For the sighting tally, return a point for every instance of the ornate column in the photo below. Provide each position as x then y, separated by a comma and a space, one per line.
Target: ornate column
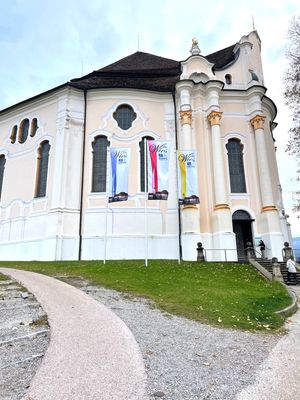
223, 236
272, 234
186, 127
263, 165
221, 201
190, 218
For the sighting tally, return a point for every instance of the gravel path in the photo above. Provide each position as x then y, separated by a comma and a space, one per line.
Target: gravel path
91, 355
24, 338
185, 360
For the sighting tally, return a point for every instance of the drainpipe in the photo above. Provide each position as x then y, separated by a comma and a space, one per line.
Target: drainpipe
176, 143
82, 178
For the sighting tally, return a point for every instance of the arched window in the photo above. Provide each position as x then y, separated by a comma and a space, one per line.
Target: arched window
99, 145
241, 215
13, 135
33, 127
124, 115
2, 166
228, 79
42, 169
23, 130
142, 162
236, 166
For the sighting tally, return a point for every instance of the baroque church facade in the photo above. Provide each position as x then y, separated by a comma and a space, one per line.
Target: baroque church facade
53, 161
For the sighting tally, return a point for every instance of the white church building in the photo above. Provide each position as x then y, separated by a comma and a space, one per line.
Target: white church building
53, 161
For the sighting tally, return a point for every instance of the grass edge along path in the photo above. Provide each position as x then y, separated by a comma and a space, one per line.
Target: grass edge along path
222, 294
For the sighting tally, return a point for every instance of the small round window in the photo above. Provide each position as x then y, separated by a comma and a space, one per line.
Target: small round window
124, 115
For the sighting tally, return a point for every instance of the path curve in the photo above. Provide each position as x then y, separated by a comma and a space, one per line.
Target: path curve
278, 377
92, 354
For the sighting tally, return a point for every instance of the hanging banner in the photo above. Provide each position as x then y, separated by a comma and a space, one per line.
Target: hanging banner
158, 155
187, 176
119, 158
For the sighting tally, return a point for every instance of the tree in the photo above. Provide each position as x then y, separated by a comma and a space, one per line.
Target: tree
292, 96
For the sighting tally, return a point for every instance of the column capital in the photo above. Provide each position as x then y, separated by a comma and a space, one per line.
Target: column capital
186, 117
215, 117
258, 121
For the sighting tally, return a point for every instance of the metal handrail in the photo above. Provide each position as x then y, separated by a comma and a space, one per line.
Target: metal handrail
224, 250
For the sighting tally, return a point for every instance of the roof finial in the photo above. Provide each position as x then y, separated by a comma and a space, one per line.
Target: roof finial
195, 50
253, 26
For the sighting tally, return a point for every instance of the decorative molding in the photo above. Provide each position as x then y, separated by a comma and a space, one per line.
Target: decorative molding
222, 207
186, 117
215, 117
193, 206
268, 208
258, 122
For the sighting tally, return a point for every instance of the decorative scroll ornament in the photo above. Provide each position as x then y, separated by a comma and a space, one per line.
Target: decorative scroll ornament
258, 122
186, 117
215, 117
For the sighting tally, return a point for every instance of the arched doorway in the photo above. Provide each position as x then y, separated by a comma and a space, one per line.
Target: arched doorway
242, 227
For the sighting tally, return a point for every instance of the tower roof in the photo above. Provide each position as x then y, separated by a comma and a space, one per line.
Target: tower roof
223, 57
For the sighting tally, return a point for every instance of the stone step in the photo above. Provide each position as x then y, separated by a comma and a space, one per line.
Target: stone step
267, 264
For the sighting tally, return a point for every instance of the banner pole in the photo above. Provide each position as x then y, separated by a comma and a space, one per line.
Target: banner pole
107, 195
146, 202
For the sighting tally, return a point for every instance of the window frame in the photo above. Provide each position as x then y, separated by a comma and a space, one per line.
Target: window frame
142, 185
33, 127
124, 122
99, 165
42, 169
236, 166
23, 130
2, 169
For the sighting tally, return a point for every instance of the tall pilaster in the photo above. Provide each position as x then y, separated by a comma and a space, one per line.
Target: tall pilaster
190, 216
263, 165
186, 128
223, 237
64, 197
272, 235
221, 197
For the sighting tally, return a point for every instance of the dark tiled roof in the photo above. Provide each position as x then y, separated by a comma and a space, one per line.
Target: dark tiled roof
139, 70
222, 57
165, 83
140, 61
145, 71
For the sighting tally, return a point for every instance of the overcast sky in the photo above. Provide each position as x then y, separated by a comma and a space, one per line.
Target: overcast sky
44, 43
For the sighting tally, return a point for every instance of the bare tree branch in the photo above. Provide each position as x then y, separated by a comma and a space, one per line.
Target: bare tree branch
292, 97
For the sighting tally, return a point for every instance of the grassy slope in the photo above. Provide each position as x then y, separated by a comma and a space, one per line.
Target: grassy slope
229, 295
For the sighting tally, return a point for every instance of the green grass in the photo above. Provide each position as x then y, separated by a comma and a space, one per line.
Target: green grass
227, 295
